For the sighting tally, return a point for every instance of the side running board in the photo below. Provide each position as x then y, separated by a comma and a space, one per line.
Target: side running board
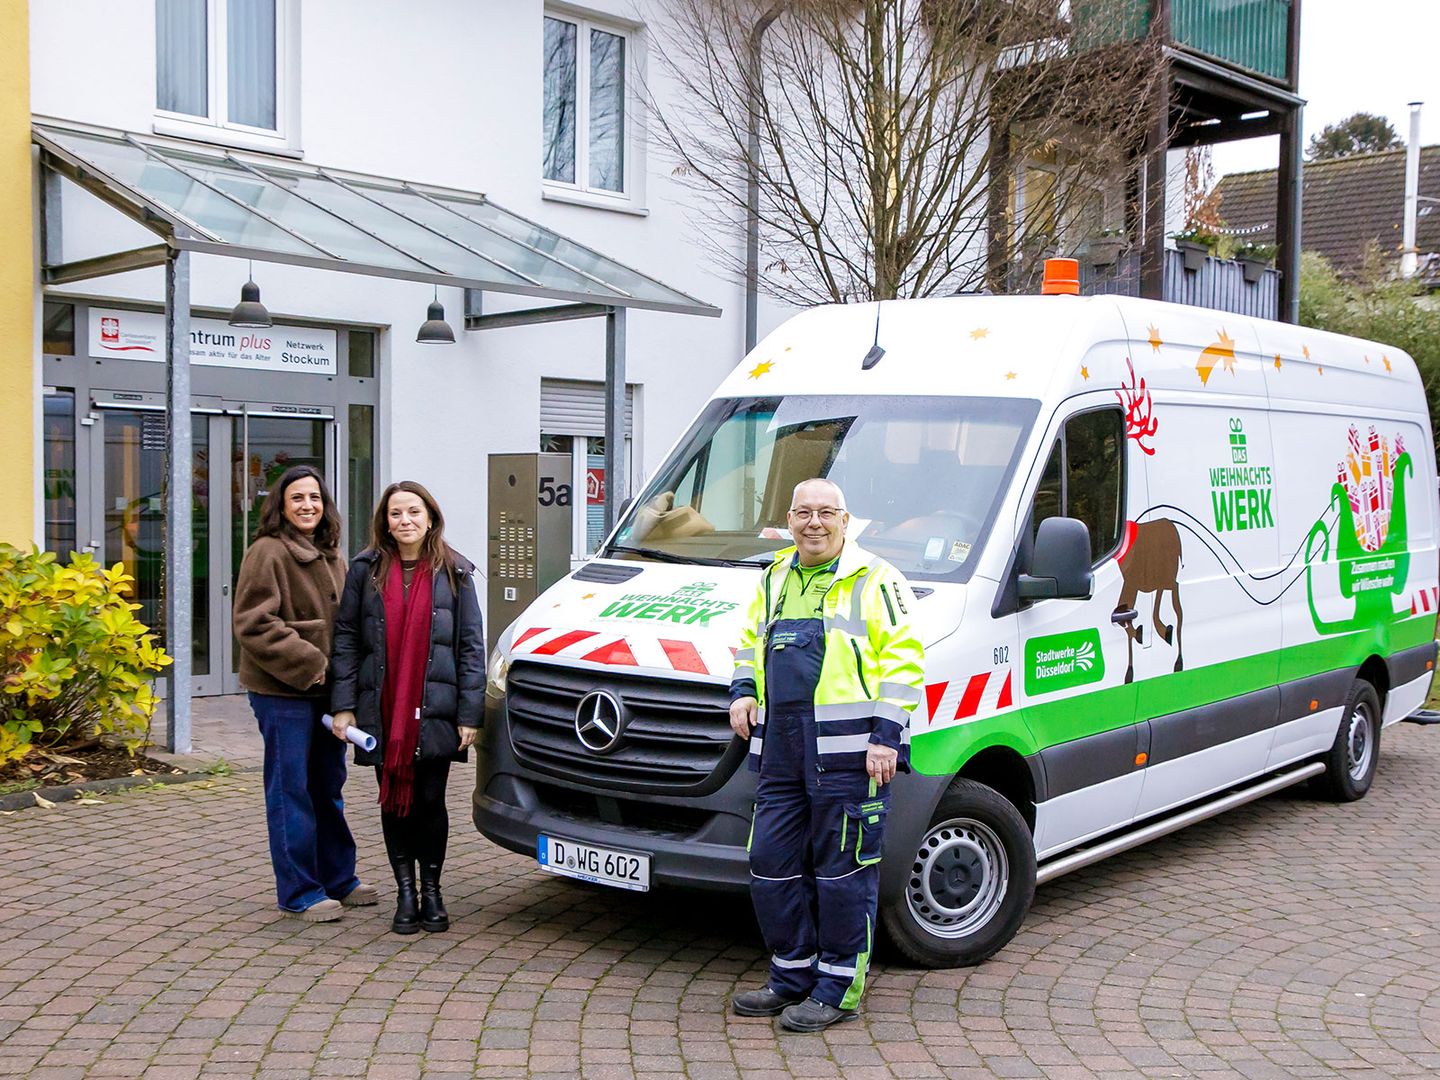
1124, 842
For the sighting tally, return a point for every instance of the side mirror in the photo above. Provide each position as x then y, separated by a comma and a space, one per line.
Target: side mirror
1060, 567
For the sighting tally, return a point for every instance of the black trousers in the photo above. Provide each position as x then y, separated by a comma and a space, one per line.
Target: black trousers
420, 834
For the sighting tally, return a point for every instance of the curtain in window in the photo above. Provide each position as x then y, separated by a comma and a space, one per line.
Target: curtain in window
560, 103
607, 111
181, 78
250, 36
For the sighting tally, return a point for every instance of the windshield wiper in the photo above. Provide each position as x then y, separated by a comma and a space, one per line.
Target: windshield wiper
671, 557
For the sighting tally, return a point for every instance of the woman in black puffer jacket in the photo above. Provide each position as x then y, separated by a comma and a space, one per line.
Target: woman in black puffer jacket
408, 667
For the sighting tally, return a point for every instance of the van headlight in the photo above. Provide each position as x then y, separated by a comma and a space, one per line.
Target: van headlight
498, 668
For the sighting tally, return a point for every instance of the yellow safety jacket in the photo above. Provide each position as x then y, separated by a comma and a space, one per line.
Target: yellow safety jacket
873, 674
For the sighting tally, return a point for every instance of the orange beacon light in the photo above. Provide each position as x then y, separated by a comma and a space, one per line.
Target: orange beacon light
1062, 278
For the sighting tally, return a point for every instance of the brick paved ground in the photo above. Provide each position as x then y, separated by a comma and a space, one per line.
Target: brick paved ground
1290, 938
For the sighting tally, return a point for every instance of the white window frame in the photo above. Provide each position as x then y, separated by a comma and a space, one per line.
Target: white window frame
631, 198
285, 138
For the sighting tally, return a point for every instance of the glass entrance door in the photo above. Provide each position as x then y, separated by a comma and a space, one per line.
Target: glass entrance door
128, 452
132, 451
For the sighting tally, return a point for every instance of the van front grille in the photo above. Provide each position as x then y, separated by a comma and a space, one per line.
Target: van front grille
676, 737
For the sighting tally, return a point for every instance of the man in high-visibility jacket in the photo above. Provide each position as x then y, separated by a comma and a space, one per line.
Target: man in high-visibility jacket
827, 672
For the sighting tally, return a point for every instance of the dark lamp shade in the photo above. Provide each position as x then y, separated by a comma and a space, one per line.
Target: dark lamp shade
250, 312
435, 330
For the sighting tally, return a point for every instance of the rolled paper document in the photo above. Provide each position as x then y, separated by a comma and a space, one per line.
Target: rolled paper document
352, 733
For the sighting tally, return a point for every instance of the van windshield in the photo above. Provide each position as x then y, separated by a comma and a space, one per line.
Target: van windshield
922, 477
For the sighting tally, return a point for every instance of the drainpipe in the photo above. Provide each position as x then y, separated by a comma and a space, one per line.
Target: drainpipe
752, 177
1409, 252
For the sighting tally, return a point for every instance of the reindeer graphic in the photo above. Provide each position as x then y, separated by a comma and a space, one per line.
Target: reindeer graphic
1150, 563
1150, 555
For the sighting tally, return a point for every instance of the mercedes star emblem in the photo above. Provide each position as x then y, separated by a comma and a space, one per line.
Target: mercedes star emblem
598, 723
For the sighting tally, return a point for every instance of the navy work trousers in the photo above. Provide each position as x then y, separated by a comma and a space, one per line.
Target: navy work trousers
310, 844
814, 846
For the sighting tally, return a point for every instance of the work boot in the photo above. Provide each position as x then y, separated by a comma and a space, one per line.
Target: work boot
407, 913
812, 1015
762, 1002
433, 916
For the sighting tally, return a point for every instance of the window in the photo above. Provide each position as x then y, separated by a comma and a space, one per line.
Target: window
1084, 479
585, 120
59, 329
360, 476
923, 477
60, 471
222, 64
361, 354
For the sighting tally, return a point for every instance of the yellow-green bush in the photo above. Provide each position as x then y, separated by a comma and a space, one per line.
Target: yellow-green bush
74, 660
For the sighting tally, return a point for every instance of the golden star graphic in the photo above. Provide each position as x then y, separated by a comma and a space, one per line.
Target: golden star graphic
1084, 372
1306, 351
1277, 361
761, 368
588, 596
1386, 361
1221, 352
1010, 375
1320, 369
1155, 341
979, 332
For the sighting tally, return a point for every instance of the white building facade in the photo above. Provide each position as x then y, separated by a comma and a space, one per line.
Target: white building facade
537, 106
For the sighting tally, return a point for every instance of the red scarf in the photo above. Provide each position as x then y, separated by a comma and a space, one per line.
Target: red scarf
407, 651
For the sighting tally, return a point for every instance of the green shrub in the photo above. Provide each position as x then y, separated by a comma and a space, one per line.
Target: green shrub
74, 661
1378, 305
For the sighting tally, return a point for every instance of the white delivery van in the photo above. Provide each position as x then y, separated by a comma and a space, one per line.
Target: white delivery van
1166, 560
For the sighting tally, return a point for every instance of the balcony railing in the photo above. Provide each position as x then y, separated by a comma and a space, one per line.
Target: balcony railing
1218, 284
1246, 34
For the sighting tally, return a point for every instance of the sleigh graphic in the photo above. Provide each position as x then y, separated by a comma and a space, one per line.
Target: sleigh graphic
1367, 578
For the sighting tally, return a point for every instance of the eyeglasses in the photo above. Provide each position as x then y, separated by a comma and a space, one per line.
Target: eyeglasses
827, 514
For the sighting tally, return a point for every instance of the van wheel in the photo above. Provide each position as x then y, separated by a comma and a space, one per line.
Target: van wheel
1351, 762
971, 883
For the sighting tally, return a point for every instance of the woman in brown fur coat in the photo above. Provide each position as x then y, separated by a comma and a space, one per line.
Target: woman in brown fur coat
285, 602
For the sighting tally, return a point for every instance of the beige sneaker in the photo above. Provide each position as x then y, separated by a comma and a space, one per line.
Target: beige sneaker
361, 896
326, 910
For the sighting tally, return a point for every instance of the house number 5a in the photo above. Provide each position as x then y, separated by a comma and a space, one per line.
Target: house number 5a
552, 494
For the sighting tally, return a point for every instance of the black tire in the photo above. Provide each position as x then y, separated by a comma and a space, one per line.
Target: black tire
1350, 763
971, 883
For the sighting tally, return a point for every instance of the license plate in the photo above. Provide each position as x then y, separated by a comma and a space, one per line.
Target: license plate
603, 866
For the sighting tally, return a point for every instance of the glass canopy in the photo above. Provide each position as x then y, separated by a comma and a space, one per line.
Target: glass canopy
260, 207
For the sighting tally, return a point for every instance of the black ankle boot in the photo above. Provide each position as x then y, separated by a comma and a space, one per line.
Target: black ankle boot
433, 916
407, 914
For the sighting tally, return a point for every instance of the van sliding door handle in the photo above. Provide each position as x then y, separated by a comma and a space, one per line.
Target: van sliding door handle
1123, 616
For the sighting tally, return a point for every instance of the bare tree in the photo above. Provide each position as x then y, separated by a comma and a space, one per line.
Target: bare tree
904, 147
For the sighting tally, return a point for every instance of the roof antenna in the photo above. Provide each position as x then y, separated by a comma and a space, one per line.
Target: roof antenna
877, 351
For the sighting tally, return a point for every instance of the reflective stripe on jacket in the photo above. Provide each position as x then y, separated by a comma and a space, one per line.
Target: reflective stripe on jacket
873, 675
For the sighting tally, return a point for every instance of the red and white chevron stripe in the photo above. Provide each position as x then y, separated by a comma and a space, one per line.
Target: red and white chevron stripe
611, 650
1425, 601
965, 699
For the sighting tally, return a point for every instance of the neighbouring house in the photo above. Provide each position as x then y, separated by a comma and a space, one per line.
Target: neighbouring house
1349, 205
1232, 72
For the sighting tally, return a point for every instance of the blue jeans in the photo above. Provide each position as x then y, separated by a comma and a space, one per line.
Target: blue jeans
310, 844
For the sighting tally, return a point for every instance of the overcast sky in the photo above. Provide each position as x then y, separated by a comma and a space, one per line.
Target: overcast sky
1358, 56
